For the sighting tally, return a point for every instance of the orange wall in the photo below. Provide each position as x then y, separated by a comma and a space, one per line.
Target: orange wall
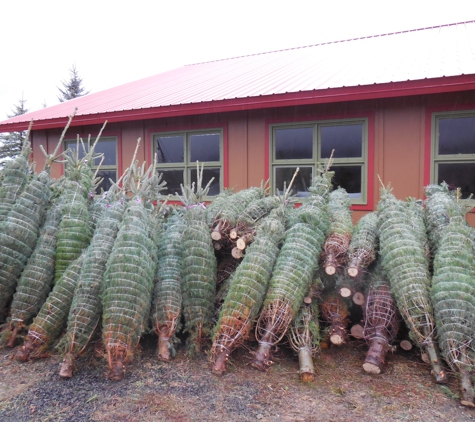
398, 126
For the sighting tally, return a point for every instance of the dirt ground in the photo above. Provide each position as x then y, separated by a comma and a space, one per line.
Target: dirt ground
185, 390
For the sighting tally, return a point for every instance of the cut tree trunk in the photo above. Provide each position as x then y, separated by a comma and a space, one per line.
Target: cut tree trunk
357, 331
219, 366
406, 345
66, 367
359, 298
375, 357
307, 369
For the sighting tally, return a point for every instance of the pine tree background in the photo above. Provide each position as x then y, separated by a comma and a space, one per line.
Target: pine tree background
11, 143
73, 87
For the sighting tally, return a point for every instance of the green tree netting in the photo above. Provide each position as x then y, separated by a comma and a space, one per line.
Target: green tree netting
438, 201
294, 269
15, 177
36, 279
405, 260
19, 233
86, 308
199, 278
336, 244
53, 315
453, 296
247, 289
128, 287
363, 245
167, 296
227, 216
75, 228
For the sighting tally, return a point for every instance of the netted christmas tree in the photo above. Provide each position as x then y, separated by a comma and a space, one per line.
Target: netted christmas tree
130, 272
336, 245
75, 229
199, 267
381, 321
406, 263
53, 315
247, 289
167, 296
86, 308
363, 246
294, 269
14, 177
36, 279
453, 296
20, 229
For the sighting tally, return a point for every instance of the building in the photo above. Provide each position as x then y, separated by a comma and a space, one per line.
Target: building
397, 107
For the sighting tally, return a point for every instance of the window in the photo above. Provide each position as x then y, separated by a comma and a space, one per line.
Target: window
108, 167
454, 150
308, 144
178, 152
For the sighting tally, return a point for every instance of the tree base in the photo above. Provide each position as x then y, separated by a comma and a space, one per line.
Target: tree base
219, 365
164, 349
307, 369
66, 367
262, 356
375, 357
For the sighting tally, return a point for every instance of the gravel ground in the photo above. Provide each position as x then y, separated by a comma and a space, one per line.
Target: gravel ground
185, 390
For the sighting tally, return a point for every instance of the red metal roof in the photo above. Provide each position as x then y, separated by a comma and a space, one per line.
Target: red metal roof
427, 60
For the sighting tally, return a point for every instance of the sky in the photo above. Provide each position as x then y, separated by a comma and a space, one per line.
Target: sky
115, 42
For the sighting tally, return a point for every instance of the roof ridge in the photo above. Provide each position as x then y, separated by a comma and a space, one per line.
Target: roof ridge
334, 42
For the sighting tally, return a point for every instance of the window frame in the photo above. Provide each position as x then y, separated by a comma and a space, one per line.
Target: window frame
91, 141
187, 166
436, 158
363, 161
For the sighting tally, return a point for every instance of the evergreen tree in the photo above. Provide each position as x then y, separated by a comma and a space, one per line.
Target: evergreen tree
73, 87
11, 143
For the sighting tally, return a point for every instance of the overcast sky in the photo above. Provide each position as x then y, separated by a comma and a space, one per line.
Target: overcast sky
115, 42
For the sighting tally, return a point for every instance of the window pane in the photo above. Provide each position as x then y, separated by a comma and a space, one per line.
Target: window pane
346, 140
461, 175
108, 148
204, 147
301, 183
170, 149
173, 178
106, 184
349, 178
207, 175
457, 135
294, 143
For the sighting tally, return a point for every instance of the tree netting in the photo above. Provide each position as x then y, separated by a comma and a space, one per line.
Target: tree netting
86, 308
167, 296
75, 228
381, 320
53, 315
36, 279
438, 200
19, 233
247, 288
128, 287
453, 296
15, 177
294, 268
336, 244
363, 245
199, 278
405, 260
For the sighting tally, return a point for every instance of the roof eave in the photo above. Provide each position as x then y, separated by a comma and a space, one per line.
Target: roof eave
329, 95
